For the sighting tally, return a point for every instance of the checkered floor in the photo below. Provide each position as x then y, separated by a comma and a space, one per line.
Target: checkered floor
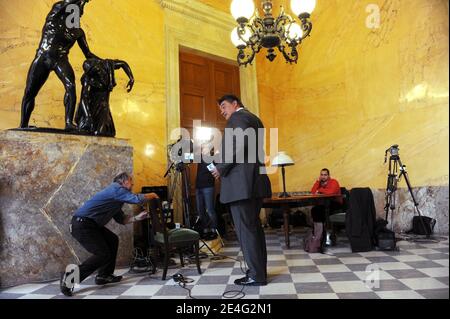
416, 271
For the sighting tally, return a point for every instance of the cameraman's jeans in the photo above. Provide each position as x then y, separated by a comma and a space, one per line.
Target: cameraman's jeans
205, 199
100, 242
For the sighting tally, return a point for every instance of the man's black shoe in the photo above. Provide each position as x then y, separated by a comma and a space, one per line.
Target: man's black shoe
247, 281
62, 285
99, 280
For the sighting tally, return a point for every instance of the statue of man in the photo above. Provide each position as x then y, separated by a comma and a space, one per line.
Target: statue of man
58, 37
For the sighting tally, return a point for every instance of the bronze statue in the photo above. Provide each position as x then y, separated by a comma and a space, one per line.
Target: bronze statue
93, 114
52, 55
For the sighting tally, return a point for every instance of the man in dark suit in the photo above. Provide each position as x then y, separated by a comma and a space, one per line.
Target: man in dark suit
244, 184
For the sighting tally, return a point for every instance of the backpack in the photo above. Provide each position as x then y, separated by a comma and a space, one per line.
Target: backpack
298, 219
275, 219
422, 225
313, 242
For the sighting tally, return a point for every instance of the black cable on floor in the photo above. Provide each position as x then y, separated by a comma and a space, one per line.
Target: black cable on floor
235, 294
182, 282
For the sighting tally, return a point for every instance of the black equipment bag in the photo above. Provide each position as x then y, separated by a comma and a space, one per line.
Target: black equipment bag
298, 219
385, 238
418, 226
275, 218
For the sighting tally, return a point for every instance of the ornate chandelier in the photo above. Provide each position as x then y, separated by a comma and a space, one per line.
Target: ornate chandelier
283, 32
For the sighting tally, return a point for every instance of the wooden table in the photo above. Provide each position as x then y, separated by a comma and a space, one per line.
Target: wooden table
286, 203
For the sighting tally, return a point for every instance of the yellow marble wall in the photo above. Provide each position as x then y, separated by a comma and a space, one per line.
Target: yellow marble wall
356, 91
129, 30
222, 5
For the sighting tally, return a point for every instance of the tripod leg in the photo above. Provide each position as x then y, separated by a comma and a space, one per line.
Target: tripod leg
220, 238
197, 258
181, 258
405, 174
204, 244
386, 207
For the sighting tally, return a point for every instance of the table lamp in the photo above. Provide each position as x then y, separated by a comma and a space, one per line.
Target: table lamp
282, 159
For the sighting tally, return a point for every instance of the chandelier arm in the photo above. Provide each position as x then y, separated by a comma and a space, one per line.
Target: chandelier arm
259, 31
241, 32
284, 18
280, 25
244, 59
258, 24
253, 54
306, 27
254, 38
291, 57
241, 57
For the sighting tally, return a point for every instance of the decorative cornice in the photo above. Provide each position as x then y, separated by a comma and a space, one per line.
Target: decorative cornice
199, 11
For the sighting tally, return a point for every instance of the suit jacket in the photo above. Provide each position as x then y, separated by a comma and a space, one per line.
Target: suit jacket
360, 220
240, 173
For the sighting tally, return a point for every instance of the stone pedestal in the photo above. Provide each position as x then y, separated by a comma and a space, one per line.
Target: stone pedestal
44, 178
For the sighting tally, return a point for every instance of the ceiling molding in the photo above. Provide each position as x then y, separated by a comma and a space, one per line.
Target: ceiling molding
199, 11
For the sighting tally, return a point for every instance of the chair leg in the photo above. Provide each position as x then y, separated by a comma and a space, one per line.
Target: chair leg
166, 263
181, 258
333, 235
197, 258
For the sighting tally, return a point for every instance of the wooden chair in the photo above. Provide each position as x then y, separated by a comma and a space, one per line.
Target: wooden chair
172, 239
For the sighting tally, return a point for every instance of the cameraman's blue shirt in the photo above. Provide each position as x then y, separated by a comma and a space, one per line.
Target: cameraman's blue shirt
107, 204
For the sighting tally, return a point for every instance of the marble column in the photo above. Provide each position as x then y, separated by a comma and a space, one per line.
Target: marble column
44, 178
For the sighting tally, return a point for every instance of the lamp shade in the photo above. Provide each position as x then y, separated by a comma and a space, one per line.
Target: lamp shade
242, 9
282, 159
303, 6
294, 32
237, 41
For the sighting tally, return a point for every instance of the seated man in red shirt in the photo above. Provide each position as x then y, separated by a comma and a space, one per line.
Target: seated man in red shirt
325, 185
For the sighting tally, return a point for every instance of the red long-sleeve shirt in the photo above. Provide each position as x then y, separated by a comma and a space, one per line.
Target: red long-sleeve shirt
331, 188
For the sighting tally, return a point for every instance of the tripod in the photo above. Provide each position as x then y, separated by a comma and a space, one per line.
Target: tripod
396, 166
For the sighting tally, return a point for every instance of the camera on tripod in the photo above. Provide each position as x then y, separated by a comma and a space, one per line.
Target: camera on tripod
396, 171
181, 152
393, 150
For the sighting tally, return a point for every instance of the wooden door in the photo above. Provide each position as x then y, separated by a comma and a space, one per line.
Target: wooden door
203, 80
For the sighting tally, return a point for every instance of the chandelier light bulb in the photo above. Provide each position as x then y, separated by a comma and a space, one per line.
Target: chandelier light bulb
237, 41
294, 32
242, 9
302, 6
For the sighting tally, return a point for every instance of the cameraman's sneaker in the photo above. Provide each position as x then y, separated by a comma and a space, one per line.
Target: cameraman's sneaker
99, 280
62, 285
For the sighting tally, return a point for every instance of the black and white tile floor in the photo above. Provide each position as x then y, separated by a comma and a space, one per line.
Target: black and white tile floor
416, 271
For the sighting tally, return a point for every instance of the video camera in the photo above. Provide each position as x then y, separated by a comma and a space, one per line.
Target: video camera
181, 152
393, 150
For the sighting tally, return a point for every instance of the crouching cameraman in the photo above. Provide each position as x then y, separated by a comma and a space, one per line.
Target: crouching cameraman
88, 228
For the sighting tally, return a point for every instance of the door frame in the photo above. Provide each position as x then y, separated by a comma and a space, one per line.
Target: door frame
184, 20
192, 25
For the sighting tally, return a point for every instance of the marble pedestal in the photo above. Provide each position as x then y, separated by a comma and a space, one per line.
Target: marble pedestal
44, 178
